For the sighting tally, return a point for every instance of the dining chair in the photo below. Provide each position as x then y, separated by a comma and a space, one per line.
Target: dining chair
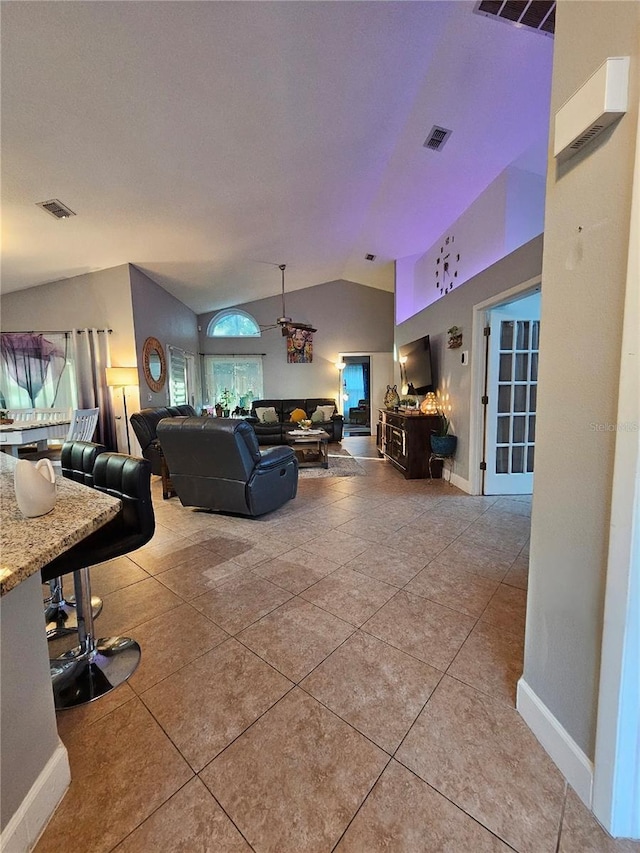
21, 414
83, 424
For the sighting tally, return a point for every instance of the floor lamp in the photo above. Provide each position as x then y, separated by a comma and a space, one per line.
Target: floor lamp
123, 377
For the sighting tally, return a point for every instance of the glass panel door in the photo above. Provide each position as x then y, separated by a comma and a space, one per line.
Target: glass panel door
512, 393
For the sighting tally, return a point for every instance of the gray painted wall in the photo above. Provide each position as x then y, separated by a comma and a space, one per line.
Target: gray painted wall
27, 718
582, 307
456, 309
349, 317
101, 299
160, 315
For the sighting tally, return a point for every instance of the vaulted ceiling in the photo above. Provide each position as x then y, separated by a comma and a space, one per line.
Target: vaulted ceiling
207, 142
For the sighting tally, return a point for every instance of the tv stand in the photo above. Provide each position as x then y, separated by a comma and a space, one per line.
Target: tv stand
404, 441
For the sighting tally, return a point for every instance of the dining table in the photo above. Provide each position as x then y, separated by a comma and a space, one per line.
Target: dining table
19, 433
34, 767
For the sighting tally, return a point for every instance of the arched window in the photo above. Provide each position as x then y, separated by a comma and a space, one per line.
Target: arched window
233, 323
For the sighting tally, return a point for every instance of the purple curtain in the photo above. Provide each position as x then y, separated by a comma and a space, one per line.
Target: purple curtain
91, 356
29, 359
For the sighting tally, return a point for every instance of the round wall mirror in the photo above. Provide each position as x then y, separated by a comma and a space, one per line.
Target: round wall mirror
154, 364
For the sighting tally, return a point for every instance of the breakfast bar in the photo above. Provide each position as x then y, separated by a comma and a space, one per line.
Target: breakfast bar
34, 769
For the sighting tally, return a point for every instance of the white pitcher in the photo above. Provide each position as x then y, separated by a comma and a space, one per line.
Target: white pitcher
35, 487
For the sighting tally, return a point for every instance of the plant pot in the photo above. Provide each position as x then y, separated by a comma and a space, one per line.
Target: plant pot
444, 445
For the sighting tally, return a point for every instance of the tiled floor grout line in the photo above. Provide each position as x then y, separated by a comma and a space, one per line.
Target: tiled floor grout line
561, 819
137, 826
456, 805
353, 817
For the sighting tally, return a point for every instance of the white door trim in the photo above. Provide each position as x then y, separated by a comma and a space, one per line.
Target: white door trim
476, 431
616, 781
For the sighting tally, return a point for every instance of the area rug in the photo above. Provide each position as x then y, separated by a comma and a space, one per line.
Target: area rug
341, 464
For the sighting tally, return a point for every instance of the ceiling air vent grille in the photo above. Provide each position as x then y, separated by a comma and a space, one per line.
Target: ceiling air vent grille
56, 208
537, 15
437, 138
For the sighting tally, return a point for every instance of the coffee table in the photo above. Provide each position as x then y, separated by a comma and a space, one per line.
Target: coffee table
310, 446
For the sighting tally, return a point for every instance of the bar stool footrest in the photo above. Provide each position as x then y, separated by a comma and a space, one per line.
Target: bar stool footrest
62, 619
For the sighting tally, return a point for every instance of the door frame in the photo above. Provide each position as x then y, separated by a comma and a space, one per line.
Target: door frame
476, 421
377, 367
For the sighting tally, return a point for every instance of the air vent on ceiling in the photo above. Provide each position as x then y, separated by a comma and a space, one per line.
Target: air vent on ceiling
538, 15
56, 208
437, 138
369, 257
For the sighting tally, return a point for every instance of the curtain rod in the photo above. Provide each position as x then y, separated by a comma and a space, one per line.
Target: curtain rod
55, 332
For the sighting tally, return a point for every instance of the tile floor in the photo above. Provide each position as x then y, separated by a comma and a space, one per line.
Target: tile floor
338, 675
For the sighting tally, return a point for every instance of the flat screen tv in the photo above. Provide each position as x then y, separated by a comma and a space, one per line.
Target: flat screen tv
417, 368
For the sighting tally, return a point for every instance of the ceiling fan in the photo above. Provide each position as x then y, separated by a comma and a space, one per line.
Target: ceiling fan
286, 323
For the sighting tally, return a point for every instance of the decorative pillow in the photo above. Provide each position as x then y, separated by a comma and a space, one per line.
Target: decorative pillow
322, 414
327, 412
267, 415
298, 415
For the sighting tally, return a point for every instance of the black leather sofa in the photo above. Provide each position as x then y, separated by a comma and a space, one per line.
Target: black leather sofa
274, 433
215, 463
145, 423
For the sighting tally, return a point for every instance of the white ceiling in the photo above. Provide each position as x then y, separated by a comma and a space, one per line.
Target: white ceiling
204, 141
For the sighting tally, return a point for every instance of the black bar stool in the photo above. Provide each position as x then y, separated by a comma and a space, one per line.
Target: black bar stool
77, 459
95, 667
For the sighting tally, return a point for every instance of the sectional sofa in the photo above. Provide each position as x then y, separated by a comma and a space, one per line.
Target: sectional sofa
274, 432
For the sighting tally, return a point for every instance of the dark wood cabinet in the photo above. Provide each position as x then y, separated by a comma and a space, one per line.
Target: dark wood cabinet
404, 440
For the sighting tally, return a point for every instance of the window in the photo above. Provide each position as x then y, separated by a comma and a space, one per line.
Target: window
233, 380
177, 377
233, 323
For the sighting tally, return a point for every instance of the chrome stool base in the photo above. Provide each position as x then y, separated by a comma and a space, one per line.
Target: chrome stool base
80, 676
62, 618
94, 667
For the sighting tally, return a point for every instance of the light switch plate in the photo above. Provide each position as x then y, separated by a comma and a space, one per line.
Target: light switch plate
465, 358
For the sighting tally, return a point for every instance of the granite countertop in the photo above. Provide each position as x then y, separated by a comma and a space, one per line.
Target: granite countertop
27, 544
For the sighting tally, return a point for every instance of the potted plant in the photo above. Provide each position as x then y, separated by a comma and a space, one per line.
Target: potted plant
443, 443
226, 399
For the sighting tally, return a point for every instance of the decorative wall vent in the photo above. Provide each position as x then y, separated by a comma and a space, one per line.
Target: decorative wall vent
437, 138
538, 15
56, 208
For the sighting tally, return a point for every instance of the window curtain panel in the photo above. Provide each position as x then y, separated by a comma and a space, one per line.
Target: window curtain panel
91, 356
35, 364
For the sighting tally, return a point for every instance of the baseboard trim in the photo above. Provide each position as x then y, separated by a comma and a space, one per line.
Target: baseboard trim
460, 483
27, 824
563, 750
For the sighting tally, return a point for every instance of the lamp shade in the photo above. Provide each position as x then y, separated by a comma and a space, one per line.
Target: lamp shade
118, 377
340, 365
429, 405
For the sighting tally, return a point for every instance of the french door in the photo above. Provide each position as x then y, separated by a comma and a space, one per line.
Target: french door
512, 380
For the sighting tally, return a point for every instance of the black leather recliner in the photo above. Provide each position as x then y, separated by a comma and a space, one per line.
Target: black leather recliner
145, 423
216, 463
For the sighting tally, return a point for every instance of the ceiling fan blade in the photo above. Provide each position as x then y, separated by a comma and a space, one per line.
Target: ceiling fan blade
306, 327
